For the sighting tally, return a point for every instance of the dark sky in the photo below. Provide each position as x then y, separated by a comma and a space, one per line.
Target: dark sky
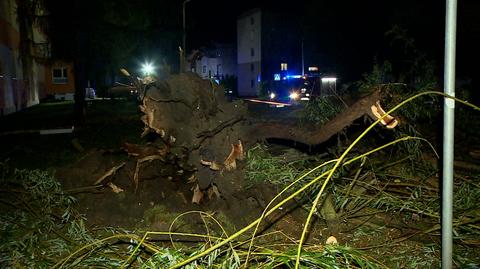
348, 31
345, 34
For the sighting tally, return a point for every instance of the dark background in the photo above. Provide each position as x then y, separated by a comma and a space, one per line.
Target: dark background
343, 35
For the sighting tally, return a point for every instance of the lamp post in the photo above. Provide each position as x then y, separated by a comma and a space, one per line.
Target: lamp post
184, 27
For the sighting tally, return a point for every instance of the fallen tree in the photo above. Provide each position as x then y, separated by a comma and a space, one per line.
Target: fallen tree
207, 135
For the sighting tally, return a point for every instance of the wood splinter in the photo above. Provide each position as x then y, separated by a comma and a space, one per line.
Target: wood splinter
235, 154
109, 173
389, 121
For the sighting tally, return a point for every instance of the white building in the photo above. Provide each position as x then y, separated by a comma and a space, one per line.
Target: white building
217, 63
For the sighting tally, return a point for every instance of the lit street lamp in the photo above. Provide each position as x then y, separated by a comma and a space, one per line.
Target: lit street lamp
147, 68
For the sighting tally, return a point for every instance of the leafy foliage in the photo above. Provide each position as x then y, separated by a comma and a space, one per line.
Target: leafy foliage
320, 110
40, 224
278, 170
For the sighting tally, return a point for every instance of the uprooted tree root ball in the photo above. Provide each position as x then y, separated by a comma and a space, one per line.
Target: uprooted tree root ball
207, 135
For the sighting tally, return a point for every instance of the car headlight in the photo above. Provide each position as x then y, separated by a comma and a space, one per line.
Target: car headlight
294, 96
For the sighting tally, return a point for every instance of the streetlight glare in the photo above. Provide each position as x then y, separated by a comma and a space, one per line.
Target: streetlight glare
147, 68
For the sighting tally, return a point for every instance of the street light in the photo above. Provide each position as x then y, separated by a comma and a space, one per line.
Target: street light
147, 68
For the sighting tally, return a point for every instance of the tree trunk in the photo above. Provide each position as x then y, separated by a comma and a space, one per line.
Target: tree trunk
320, 134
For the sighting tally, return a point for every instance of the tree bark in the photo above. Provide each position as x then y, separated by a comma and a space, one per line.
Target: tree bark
315, 136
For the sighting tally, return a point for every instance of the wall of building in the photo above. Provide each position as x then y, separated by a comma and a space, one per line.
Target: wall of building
19, 90
59, 87
217, 62
249, 53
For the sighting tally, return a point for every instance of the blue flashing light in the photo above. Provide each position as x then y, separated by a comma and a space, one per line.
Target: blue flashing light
292, 76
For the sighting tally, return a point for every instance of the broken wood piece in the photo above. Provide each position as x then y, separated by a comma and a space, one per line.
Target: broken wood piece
387, 120
213, 190
331, 241
114, 187
235, 154
212, 164
197, 195
192, 179
109, 173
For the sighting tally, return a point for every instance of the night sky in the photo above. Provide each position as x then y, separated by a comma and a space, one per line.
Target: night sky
346, 35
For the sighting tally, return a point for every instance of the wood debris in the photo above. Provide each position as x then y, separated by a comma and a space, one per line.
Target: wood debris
212, 164
192, 179
114, 187
197, 195
236, 153
387, 120
331, 241
213, 190
109, 173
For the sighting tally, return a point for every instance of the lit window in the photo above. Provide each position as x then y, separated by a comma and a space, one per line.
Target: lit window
204, 69
283, 66
59, 75
252, 52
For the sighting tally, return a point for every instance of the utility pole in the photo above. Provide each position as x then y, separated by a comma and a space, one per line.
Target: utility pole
184, 44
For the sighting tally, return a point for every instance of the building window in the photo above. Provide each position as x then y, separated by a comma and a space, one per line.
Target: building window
283, 66
59, 75
252, 52
204, 69
219, 69
252, 67
252, 83
252, 20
